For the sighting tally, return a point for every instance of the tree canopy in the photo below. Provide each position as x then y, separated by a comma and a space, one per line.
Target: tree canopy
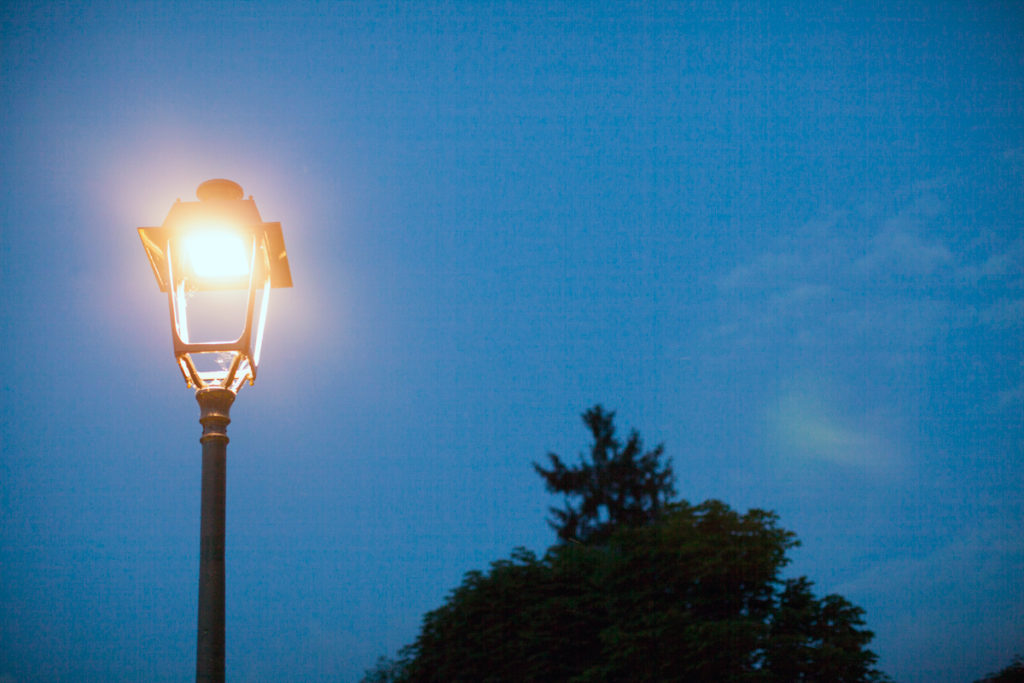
653, 591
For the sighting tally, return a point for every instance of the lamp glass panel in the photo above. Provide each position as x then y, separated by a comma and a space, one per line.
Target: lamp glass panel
263, 301
217, 315
214, 362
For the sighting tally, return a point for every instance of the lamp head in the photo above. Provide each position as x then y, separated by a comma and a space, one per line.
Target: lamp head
217, 243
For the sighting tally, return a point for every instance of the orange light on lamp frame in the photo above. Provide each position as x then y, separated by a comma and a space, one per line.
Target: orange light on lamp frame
217, 243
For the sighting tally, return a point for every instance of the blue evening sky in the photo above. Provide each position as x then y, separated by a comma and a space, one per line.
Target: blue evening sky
783, 238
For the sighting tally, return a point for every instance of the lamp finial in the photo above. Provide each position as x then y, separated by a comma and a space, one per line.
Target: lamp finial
219, 188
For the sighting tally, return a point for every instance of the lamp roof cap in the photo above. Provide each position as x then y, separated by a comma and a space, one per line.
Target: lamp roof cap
219, 188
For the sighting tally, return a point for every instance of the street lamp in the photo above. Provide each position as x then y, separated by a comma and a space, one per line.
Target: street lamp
205, 250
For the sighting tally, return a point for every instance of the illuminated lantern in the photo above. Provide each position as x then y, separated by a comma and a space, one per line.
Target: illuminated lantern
212, 255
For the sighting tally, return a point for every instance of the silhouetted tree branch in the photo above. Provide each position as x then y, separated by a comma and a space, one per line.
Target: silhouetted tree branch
620, 485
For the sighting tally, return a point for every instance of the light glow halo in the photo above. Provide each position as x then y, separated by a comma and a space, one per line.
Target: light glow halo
216, 252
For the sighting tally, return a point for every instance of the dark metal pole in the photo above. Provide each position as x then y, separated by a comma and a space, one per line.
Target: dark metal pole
214, 408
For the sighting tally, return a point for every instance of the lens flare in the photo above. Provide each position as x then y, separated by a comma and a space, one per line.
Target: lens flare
216, 253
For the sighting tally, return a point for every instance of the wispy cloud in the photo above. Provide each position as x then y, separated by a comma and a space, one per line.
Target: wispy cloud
766, 269
890, 299
899, 251
808, 425
910, 598
861, 274
1011, 397
1006, 264
1003, 313
972, 551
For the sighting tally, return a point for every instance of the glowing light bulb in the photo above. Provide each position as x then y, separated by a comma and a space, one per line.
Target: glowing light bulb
216, 253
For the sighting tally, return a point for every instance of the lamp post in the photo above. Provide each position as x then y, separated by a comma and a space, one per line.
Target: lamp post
218, 245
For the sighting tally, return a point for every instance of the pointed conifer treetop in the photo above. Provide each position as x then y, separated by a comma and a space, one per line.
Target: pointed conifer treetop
619, 485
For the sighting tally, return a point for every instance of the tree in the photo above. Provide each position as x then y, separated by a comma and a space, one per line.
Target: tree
386, 670
817, 640
688, 596
1013, 673
527, 619
655, 591
618, 486
692, 596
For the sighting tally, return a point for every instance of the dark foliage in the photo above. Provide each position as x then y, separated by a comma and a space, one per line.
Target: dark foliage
527, 620
817, 640
652, 591
694, 596
620, 485
689, 596
386, 670
1013, 673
